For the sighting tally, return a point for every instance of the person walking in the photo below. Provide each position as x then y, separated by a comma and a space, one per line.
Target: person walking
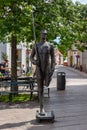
23, 69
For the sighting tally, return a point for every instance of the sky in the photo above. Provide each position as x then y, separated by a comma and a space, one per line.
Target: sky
81, 1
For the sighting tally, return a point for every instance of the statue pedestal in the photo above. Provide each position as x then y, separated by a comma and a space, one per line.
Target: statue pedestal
46, 116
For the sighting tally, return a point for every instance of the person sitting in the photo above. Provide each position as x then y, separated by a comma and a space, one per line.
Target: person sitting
4, 69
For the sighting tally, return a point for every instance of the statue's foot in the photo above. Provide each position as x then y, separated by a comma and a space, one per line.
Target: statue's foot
42, 112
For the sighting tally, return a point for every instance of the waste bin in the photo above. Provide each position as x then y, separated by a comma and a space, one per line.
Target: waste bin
61, 80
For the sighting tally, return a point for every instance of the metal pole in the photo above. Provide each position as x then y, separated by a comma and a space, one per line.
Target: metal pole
33, 26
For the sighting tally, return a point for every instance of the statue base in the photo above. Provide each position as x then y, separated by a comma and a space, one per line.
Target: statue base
46, 116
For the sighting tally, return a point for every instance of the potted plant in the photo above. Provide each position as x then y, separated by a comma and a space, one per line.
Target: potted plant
4, 56
1, 75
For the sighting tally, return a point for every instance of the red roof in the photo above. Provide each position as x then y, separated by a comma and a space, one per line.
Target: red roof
58, 52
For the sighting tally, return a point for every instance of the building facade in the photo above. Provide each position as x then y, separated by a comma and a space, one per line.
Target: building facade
21, 54
77, 59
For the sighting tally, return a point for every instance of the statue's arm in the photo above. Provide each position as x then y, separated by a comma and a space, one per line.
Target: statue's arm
32, 56
52, 58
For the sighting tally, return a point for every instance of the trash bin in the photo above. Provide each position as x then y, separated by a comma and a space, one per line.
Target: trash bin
61, 81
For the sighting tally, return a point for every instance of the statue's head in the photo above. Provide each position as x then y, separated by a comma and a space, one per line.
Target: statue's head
43, 34
44, 31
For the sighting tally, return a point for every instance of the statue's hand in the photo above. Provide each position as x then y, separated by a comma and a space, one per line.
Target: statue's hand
52, 69
35, 62
51, 72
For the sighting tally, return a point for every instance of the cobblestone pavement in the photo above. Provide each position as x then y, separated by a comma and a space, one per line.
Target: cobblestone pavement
69, 106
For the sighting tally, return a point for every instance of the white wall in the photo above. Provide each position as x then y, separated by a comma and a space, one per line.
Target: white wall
84, 60
8, 51
6, 48
2, 49
22, 47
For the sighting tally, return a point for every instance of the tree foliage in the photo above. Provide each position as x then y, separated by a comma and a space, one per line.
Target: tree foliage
15, 17
59, 17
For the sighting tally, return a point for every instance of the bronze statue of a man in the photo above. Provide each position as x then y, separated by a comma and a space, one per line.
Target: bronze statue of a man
42, 56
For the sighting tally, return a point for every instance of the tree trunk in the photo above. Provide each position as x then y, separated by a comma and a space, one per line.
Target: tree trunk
14, 62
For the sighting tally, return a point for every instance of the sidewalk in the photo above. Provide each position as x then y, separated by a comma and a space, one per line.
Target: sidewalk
69, 106
78, 71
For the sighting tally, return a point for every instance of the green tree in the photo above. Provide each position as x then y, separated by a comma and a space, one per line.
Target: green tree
58, 18
61, 18
81, 27
15, 17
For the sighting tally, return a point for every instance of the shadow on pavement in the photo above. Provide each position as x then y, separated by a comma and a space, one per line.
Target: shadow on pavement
30, 105
21, 124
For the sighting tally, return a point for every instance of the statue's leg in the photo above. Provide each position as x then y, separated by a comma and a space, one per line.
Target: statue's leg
47, 78
40, 81
40, 88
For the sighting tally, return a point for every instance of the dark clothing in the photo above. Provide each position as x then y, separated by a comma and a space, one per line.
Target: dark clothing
3, 71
